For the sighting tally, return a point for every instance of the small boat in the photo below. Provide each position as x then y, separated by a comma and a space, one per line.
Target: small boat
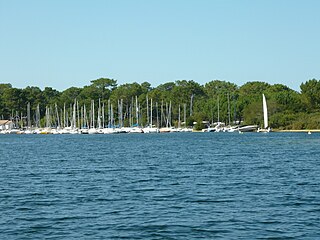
186, 130
151, 130
45, 131
248, 128
65, 130
136, 130
28, 131
231, 129
165, 130
92, 131
84, 131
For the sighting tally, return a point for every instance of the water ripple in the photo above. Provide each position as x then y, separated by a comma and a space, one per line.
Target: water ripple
162, 186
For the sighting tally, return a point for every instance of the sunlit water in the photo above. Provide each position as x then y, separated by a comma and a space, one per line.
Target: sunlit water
161, 186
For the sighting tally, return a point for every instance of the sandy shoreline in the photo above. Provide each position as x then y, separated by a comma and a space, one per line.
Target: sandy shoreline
301, 130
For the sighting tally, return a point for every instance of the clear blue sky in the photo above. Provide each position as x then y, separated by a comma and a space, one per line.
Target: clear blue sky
64, 43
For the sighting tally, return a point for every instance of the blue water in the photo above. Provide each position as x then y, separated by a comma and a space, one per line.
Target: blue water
161, 186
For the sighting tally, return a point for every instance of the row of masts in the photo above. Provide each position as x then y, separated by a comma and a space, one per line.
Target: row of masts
110, 116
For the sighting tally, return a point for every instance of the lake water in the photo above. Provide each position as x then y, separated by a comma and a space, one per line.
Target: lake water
161, 186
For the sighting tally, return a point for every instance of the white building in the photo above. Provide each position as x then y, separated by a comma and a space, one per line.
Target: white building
6, 124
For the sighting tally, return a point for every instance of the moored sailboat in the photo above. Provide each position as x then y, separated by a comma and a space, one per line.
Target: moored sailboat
265, 116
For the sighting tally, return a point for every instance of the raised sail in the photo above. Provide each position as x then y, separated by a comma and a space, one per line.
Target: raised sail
265, 112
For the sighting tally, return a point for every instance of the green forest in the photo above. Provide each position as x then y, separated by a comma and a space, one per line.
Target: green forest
213, 101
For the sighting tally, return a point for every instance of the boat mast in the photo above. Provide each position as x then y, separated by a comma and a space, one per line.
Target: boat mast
81, 118
47, 117
130, 118
38, 116
179, 122
78, 115
218, 110
99, 115
121, 113
161, 114
234, 110
185, 114
151, 113
170, 114
137, 111
147, 110
28, 116
228, 108
191, 104
103, 115
92, 114
74, 117
109, 114
57, 115
157, 115
61, 117
167, 115
85, 121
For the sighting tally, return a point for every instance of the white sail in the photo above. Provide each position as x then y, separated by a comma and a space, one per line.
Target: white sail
265, 112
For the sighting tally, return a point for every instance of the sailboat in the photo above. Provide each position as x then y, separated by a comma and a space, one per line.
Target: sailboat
150, 128
265, 116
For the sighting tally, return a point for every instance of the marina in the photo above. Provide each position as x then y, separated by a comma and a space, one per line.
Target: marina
95, 123
160, 120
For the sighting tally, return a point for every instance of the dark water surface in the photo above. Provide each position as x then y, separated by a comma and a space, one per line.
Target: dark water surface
161, 186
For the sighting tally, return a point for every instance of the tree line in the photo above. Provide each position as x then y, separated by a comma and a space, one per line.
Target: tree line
214, 101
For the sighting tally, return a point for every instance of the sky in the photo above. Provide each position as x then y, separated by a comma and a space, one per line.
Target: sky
66, 43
